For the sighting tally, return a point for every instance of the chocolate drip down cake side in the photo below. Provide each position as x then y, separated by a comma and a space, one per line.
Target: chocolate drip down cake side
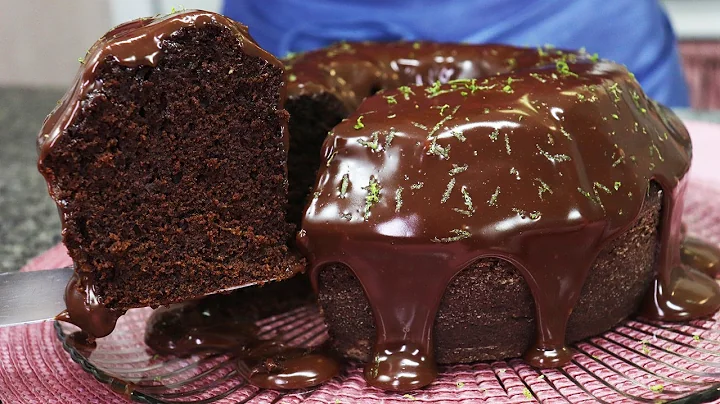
451, 203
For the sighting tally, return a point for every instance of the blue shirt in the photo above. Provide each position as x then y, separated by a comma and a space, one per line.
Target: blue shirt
636, 33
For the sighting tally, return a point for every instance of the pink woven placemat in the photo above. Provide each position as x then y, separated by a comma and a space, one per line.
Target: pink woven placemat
34, 368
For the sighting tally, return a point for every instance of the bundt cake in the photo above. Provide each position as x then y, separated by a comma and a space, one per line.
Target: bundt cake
168, 163
525, 199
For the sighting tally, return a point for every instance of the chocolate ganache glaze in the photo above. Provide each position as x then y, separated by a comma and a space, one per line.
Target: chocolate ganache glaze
701, 256
542, 163
133, 44
336, 79
352, 71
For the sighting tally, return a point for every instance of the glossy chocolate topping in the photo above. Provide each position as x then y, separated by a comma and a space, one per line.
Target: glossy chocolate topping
85, 310
701, 256
226, 323
133, 44
541, 163
353, 71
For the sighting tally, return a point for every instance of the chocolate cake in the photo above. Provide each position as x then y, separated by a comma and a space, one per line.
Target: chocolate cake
168, 163
512, 201
471, 202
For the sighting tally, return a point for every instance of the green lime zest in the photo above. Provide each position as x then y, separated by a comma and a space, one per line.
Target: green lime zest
373, 195
359, 125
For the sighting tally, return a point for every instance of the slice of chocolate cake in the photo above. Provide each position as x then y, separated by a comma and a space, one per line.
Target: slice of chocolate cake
168, 163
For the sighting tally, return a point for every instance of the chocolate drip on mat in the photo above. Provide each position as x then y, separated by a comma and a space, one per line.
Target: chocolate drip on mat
701, 256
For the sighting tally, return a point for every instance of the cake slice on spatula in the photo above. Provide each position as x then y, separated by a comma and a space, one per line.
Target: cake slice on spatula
168, 163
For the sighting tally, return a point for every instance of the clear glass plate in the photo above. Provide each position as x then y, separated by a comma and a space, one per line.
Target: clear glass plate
637, 361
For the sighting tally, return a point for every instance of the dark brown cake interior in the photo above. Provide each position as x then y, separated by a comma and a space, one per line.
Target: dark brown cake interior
311, 118
173, 177
488, 313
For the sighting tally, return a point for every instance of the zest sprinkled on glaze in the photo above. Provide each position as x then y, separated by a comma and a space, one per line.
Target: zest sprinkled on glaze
353, 71
550, 225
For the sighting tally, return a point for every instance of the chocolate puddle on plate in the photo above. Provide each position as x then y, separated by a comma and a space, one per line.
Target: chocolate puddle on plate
227, 323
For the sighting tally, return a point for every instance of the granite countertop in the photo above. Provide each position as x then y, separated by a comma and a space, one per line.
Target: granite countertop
29, 222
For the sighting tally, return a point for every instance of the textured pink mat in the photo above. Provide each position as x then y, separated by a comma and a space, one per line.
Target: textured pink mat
36, 369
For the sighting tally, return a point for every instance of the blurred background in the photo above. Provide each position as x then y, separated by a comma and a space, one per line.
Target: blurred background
44, 46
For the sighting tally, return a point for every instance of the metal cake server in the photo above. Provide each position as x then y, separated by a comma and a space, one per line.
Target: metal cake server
30, 297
